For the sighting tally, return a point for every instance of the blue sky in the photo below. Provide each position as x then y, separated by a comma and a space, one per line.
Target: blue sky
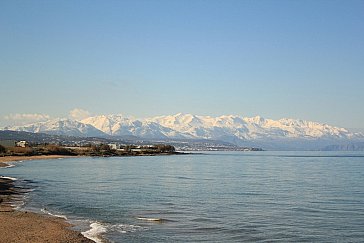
296, 59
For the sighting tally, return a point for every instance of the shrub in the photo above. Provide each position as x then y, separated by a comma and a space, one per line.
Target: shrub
2, 149
165, 148
58, 150
21, 150
105, 147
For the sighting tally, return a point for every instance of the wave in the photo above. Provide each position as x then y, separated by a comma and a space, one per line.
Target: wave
157, 220
9, 165
97, 229
8, 177
12, 163
94, 233
125, 228
17, 205
20, 193
44, 210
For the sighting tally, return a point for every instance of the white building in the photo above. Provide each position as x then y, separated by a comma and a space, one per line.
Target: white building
114, 146
22, 144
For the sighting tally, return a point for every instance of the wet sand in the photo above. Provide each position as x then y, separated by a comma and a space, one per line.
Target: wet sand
22, 226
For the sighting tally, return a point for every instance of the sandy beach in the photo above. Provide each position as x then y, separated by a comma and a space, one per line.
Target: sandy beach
22, 226
4, 160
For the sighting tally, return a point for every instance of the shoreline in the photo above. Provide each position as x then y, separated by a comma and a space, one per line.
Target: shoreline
5, 161
25, 226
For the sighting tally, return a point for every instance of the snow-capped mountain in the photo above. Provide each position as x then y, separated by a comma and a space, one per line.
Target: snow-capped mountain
249, 128
61, 127
242, 131
257, 131
118, 125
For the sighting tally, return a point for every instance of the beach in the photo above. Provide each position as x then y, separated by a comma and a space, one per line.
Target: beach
6, 159
23, 226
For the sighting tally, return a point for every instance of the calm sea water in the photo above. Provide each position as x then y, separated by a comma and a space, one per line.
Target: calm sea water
215, 197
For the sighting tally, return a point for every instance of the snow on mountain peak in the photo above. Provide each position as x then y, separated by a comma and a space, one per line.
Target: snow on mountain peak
61, 127
109, 124
249, 128
229, 128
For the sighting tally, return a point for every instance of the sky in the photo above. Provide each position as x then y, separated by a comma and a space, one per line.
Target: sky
277, 59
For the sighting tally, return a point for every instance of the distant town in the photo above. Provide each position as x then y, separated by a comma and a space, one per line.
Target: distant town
25, 143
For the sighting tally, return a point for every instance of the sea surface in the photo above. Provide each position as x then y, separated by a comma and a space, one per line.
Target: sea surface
210, 197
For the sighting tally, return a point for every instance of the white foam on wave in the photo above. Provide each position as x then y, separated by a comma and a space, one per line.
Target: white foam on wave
125, 228
54, 215
97, 229
150, 219
154, 220
8, 177
94, 233
12, 163
9, 165
18, 201
17, 204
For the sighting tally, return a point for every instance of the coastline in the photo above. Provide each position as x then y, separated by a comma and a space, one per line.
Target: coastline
5, 161
23, 226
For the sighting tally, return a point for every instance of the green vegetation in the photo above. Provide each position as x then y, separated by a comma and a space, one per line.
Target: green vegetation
88, 150
127, 150
2, 149
53, 150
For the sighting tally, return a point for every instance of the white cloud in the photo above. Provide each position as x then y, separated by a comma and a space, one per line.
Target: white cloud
22, 119
79, 114
33, 117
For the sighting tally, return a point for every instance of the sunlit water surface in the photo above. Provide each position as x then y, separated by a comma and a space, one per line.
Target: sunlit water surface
212, 197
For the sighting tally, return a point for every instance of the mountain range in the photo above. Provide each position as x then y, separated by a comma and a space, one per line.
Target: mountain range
241, 131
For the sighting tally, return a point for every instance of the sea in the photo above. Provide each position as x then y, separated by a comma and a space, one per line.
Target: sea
203, 197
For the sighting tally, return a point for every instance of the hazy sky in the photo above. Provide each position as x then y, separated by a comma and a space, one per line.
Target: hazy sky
297, 59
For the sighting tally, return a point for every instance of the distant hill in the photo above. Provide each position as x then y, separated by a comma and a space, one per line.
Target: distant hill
345, 147
44, 138
29, 136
